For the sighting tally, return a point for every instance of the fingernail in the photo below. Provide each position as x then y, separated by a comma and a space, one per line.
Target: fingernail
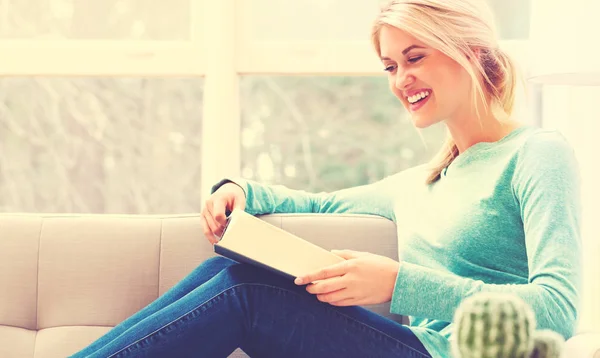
298, 281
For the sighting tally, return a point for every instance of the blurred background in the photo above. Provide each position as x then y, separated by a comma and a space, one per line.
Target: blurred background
102, 103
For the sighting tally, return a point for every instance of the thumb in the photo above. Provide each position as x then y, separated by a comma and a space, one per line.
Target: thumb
348, 254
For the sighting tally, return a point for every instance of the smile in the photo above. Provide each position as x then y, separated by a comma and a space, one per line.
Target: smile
418, 100
418, 97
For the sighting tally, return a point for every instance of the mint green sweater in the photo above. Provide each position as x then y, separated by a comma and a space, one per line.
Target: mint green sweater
504, 217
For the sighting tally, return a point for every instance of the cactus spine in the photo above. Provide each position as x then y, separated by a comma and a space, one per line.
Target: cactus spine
493, 325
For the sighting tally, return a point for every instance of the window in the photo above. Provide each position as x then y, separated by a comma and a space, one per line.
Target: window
512, 18
95, 20
96, 38
102, 106
342, 128
325, 133
95, 145
227, 101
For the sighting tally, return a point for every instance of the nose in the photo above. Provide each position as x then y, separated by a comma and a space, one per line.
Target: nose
403, 79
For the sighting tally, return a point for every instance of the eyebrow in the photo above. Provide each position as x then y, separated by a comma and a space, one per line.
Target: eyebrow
410, 48
405, 51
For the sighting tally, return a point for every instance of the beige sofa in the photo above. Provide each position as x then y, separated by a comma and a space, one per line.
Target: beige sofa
67, 279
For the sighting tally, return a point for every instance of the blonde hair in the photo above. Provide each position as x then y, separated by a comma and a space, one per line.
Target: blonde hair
463, 30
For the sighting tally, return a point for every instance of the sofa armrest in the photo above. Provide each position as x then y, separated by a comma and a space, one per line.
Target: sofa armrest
583, 345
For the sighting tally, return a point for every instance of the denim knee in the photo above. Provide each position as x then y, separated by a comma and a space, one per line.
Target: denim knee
242, 274
220, 262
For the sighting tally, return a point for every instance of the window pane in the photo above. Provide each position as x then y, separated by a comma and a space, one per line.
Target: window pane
311, 20
512, 18
100, 145
327, 133
105, 19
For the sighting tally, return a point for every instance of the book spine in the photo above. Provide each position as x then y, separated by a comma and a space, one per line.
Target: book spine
246, 260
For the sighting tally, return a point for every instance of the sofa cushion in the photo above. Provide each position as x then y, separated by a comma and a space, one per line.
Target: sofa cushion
60, 342
96, 271
20, 237
16, 342
57, 342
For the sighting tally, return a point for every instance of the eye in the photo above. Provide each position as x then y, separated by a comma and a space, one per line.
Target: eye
389, 68
415, 59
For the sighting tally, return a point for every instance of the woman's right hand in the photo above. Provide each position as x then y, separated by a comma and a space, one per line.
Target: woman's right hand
228, 197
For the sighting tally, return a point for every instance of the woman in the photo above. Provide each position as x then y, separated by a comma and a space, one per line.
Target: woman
498, 211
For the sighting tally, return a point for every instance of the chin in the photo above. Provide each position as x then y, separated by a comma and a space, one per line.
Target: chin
423, 117
423, 121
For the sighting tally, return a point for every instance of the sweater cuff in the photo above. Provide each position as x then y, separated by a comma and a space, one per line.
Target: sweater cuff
424, 292
237, 181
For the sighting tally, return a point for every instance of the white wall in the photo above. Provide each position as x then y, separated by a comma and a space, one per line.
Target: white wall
575, 111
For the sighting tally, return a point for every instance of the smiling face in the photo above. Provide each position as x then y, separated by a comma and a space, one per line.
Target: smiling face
431, 86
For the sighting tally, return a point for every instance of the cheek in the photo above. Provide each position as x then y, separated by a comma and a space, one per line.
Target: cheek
462, 89
453, 90
462, 82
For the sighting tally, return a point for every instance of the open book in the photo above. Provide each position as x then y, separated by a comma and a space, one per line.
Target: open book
248, 239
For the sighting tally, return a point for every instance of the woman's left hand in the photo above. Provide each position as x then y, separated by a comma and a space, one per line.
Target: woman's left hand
362, 279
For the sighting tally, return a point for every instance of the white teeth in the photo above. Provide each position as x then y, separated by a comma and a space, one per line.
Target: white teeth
418, 96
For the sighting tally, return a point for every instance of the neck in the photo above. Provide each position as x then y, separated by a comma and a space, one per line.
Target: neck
470, 130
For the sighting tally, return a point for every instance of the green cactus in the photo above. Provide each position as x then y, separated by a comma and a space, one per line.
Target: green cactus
492, 325
547, 344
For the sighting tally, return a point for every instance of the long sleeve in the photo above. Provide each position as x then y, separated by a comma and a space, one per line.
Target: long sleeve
546, 188
371, 199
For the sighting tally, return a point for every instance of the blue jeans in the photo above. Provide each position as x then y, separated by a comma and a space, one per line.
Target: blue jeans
223, 305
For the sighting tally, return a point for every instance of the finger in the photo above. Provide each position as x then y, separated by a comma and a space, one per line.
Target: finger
209, 205
330, 285
336, 296
218, 228
345, 302
324, 273
216, 208
207, 232
214, 227
348, 254
218, 212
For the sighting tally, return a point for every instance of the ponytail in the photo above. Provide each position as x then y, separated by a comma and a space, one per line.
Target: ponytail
507, 87
442, 159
